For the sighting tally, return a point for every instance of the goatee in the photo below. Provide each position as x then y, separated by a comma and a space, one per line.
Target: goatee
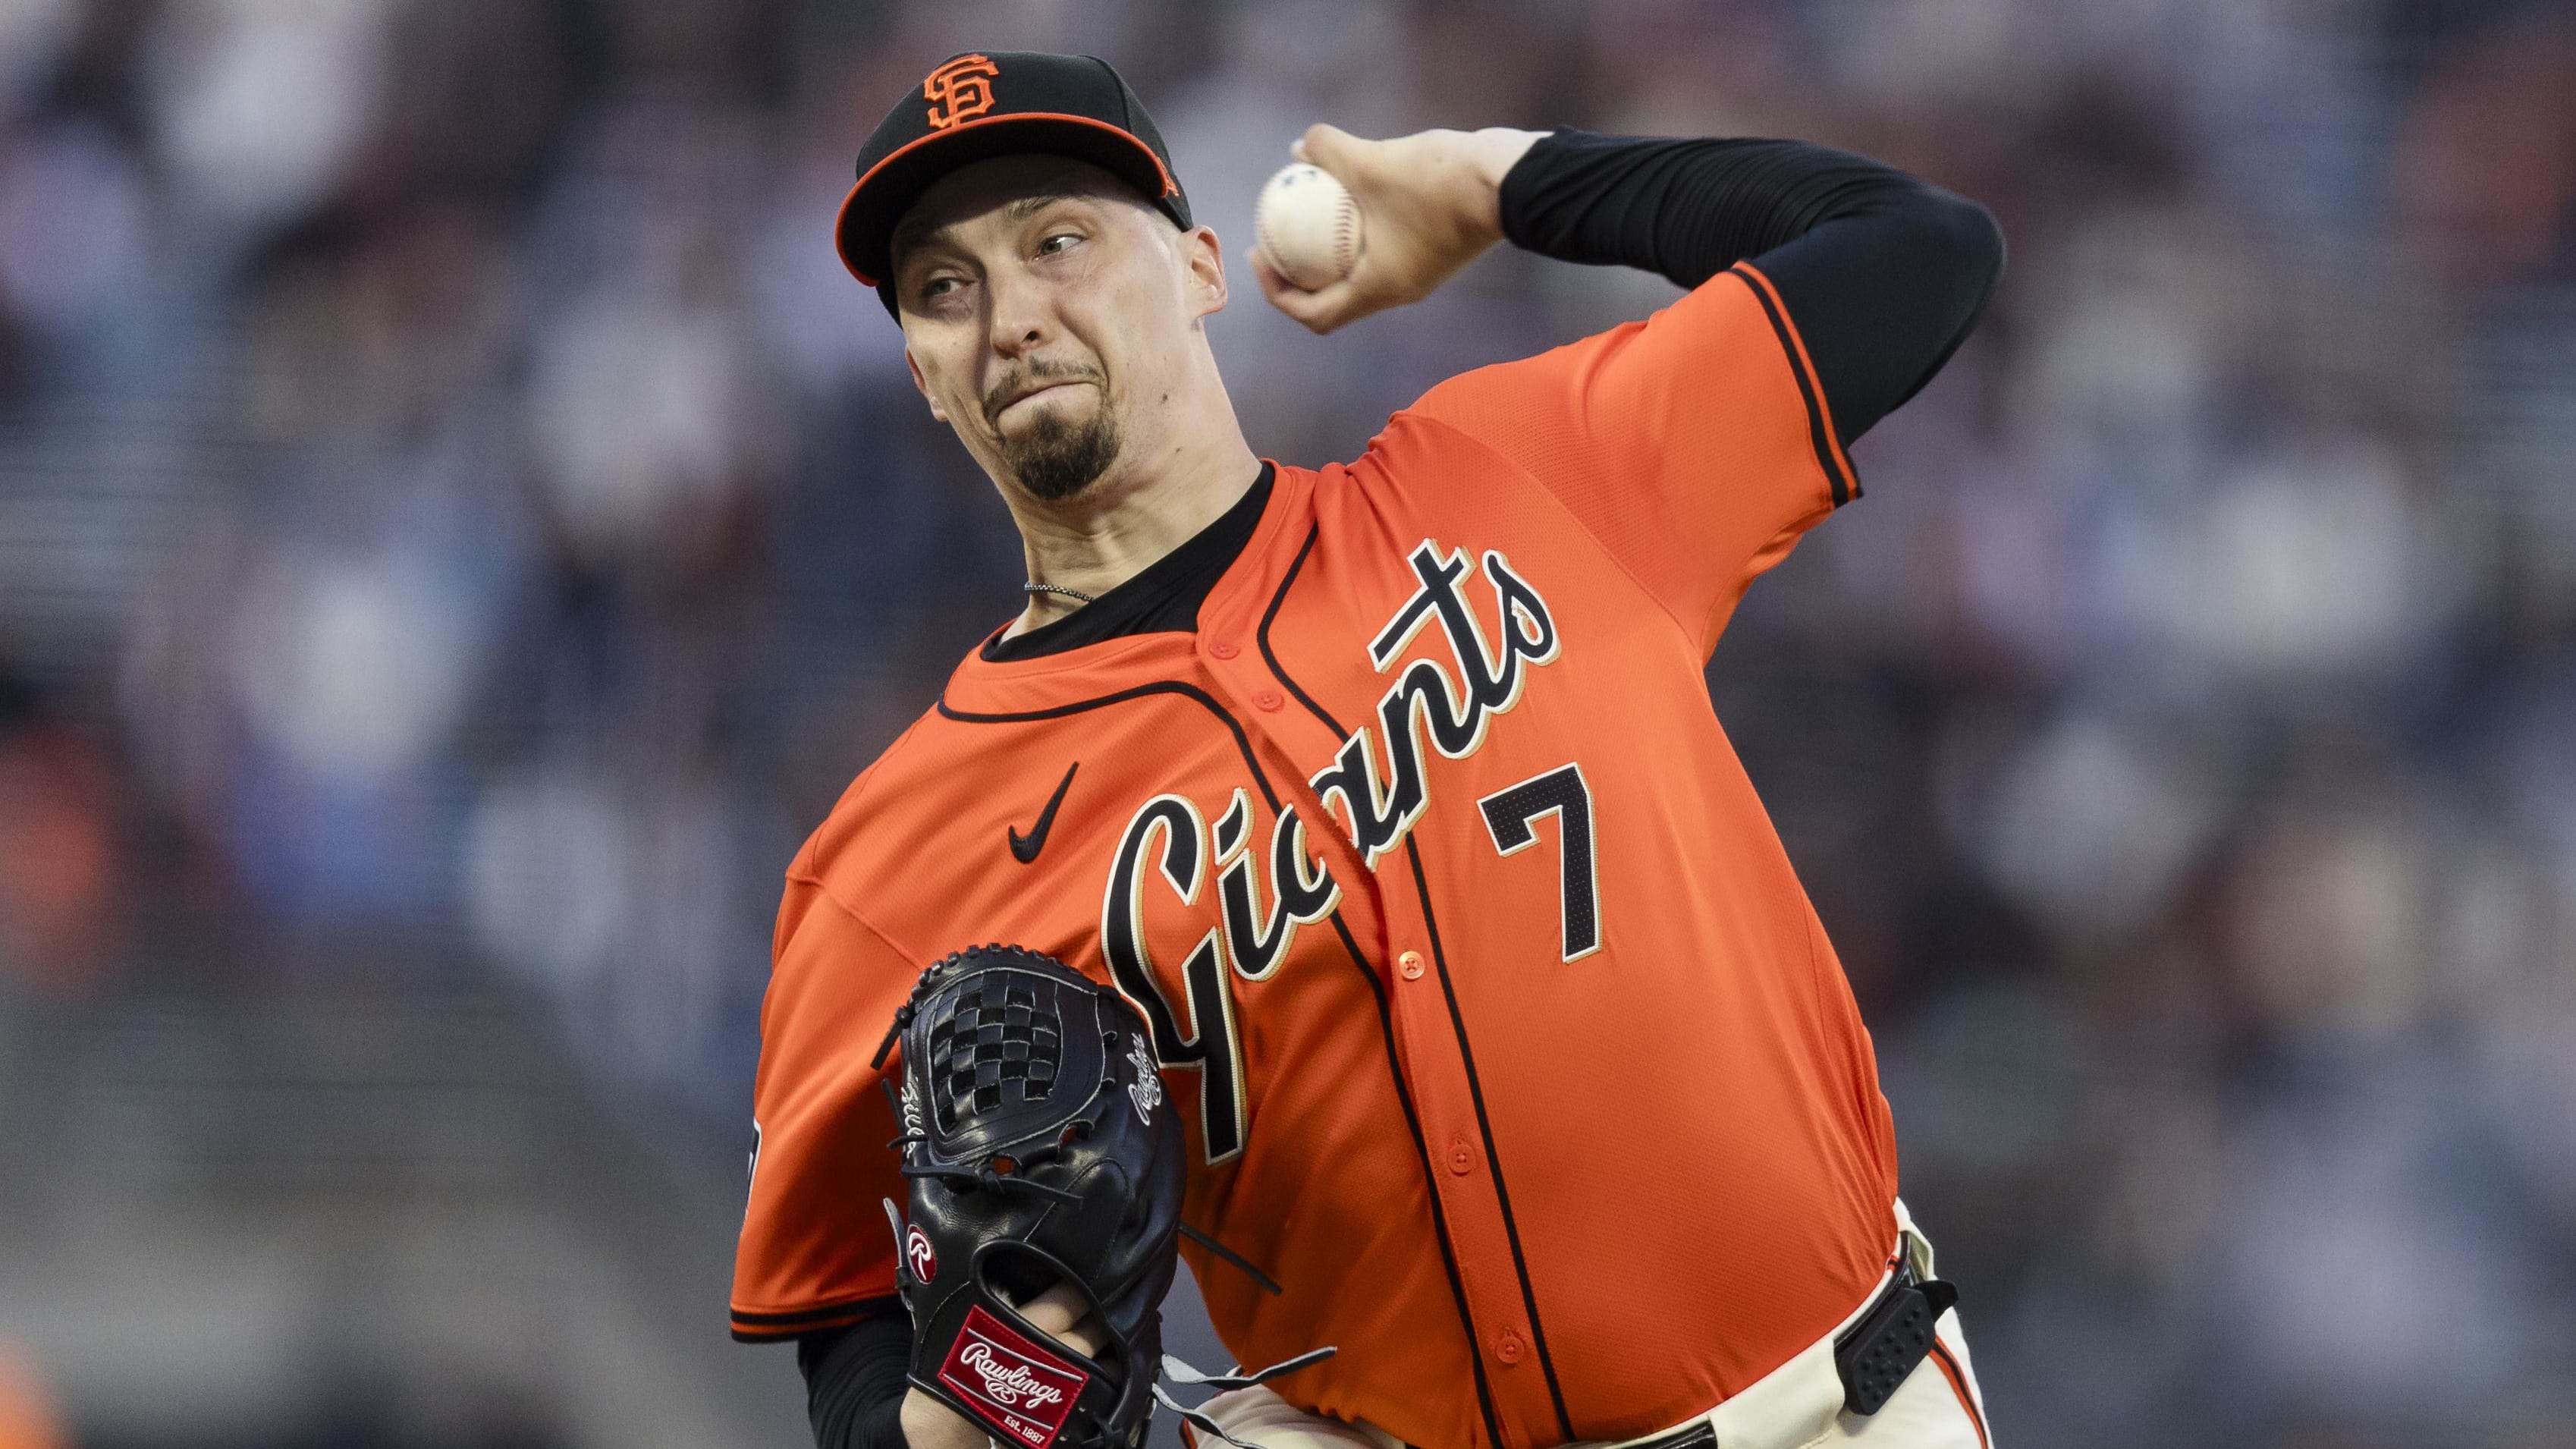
1055, 459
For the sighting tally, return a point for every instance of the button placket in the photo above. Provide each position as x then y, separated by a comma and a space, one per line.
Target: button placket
1453, 1155
1430, 1061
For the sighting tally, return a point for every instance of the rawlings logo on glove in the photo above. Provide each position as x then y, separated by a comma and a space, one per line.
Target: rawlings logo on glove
1010, 1383
1147, 1089
1010, 1386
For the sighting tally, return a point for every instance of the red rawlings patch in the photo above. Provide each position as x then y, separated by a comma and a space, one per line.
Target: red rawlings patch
916, 1247
1015, 1386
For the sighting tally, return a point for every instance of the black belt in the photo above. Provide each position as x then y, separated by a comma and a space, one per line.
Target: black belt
1890, 1337
1872, 1357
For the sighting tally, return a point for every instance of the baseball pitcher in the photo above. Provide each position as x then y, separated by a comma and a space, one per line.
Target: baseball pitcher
1364, 903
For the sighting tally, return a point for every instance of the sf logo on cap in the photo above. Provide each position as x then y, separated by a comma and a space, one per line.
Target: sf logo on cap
959, 89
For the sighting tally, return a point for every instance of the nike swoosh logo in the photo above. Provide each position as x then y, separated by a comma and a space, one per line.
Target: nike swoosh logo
1025, 848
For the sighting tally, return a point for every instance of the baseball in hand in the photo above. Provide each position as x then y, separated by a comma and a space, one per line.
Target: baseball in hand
1308, 227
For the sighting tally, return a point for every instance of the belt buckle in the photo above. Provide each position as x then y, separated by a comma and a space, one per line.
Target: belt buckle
1877, 1353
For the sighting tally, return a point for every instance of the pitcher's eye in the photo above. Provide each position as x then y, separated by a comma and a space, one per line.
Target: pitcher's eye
1057, 243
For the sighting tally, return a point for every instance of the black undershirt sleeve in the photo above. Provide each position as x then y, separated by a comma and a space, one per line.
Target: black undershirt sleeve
854, 1382
1884, 275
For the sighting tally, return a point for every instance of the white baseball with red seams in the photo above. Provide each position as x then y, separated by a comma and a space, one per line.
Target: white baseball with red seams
1308, 227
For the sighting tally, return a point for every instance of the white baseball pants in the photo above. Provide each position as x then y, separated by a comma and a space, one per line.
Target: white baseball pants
1796, 1406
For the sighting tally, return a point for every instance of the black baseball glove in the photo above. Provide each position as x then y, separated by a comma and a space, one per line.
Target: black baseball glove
1040, 1149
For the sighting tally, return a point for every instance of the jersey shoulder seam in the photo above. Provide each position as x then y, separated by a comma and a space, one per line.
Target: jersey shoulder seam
825, 889
853, 797
808, 867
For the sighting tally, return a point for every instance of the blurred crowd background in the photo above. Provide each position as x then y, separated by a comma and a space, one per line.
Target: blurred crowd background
460, 528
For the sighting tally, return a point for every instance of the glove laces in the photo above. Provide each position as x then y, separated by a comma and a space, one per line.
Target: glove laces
1180, 1372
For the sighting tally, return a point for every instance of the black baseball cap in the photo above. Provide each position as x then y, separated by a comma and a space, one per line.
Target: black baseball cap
981, 104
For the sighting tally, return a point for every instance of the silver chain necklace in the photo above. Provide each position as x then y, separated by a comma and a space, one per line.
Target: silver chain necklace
1034, 587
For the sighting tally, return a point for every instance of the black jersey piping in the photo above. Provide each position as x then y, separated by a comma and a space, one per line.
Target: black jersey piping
762, 1327
1817, 432
1466, 1055
757, 1336
1485, 1129
1261, 636
1242, 742
1430, 1184
1359, 959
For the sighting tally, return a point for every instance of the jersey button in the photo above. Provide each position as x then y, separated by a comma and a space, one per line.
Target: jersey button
1224, 649
1410, 964
1508, 1347
1462, 1158
1268, 699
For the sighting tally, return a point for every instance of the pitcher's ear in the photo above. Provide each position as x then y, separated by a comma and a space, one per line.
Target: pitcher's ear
1204, 256
923, 383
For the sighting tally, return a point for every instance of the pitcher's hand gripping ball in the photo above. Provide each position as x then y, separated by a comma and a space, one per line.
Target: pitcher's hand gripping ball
1040, 1149
1308, 227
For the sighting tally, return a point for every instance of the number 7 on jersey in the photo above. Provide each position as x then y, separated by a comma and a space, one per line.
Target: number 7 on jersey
1510, 815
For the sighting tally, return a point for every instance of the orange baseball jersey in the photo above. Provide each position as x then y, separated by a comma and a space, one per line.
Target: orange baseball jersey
1507, 1041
